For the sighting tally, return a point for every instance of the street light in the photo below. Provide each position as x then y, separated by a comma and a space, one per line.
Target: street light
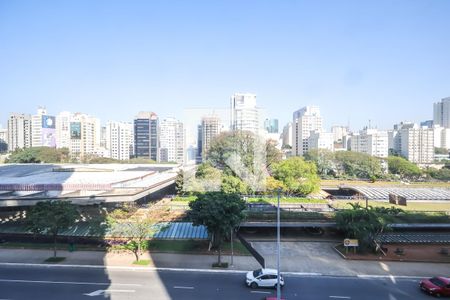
278, 248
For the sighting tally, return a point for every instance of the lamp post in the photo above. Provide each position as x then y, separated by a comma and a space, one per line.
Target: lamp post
278, 248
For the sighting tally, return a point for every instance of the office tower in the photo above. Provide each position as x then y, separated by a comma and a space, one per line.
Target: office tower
19, 131
370, 141
146, 136
210, 128
172, 141
427, 123
198, 158
43, 129
441, 113
271, 125
244, 113
119, 140
321, 140
339, 132
304, 121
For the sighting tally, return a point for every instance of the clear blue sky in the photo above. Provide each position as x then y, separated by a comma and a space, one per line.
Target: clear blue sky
358, 60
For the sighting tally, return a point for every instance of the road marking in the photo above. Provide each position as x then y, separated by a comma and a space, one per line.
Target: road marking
259, 292
68, 282
104, 292
340, 297
184, 287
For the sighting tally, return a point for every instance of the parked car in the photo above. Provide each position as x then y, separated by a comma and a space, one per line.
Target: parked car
436, 286
263, 278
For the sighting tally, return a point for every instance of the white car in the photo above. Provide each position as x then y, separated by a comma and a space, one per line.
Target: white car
263, 278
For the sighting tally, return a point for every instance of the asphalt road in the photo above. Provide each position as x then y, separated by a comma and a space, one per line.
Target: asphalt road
25, 283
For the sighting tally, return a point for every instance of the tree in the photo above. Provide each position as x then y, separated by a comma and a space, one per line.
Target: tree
39, 154
297, 176
179, 182
52, 217
365, 224
233, 185
219, 212
438, 150
360, 165
324, 160
400, 166
135, 229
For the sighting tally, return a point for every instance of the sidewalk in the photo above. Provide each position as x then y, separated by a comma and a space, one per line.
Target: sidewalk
304, 257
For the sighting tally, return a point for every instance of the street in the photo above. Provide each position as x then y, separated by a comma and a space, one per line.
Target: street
24, 283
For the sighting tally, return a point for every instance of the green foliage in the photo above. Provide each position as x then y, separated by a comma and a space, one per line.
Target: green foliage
365, 224
244, 145
233, 185
360, 165
51, 217
206, 170
136, 230
441, 151
219, 212
39, 155
179, 183
344, 164
404, 168
442, 174
298, 176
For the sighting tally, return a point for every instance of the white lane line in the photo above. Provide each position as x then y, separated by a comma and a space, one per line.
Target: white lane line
259, 292
184, 287
67, 282
340, 297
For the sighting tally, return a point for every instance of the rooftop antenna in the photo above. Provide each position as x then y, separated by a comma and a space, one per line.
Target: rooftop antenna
370, 126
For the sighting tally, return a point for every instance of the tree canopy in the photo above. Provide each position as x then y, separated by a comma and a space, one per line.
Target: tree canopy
52, 217
296, 175
400, 166
39, 155
219, 212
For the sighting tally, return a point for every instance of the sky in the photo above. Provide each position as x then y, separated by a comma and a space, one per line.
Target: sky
384, 61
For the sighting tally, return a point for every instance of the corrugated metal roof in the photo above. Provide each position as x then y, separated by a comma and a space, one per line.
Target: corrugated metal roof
172, 230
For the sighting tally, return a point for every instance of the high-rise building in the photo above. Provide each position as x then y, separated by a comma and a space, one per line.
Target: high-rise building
19, 131
84, 136
271, 125
417, 144
3, 140
441, 113
339, 132
427, 123
244, 113
286, 136
441, 137
370, 141
63, 129
321, 140
210, 128
146, 136
172, 141
304, 121
119, 140
43, 129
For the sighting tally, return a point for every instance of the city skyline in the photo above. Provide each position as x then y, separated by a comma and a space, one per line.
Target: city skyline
168, 57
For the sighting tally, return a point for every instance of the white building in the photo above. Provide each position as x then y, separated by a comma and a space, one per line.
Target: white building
19, 131
370, 141
84, 136
417, 144
441, 113
304, 121
441, 137
321, 140
172, 141
339, 132
43, 129
63, 129
244, 113
286, 135
119, 140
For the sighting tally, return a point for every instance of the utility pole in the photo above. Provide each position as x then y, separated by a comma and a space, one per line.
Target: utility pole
232, 248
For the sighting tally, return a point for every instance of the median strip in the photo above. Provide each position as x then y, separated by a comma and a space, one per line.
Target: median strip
184, 287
